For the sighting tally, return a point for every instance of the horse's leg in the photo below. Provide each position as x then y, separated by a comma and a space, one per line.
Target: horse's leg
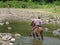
34, 34
38, 33
41, 34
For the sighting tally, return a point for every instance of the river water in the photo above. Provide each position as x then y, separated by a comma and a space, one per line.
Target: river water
31, 41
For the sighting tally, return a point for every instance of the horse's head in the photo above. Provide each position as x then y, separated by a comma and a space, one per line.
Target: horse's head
32, 24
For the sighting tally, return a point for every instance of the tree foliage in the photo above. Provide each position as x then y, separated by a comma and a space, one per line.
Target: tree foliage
32, 0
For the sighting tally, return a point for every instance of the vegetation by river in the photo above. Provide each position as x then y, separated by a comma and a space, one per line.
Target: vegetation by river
24, 28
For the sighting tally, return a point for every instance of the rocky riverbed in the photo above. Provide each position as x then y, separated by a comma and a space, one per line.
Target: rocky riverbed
28, 14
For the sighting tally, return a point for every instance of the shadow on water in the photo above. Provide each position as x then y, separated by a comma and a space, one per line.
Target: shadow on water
31, 41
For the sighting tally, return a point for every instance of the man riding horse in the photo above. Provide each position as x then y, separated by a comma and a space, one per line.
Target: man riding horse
37, 27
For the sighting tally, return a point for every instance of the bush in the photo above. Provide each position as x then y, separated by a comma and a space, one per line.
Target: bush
16, 4
2, 4
23, 4
57, 3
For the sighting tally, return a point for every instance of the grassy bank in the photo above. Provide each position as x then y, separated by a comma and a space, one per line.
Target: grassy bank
24, 28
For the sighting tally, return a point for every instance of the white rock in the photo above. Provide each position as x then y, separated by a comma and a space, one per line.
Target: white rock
17, 34
58, 30
7, 22
9, 28
11, 44
47, 21
12, 40
1, 24
0, 35
46, 29
4, 37
56, 33
9, 37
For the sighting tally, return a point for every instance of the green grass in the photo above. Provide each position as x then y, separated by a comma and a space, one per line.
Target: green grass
24, 28
20, 27
51, 28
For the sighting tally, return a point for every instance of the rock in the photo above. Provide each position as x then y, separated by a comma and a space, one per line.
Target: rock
17, 35
7, 22
1, 24
12, 40
0, 35
9, 28
4, 37
11, 44
46, 29
56, 32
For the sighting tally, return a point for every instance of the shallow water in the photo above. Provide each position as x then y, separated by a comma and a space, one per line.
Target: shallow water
31, 41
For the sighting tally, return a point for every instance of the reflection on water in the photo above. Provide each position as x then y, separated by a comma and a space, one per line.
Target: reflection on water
36, 42
31, 41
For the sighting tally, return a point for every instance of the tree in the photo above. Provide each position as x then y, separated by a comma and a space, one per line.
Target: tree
3, 0
36, 0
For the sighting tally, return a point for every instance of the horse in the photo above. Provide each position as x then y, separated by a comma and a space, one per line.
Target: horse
37, 31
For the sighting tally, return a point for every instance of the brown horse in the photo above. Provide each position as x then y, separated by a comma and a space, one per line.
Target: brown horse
37, 31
